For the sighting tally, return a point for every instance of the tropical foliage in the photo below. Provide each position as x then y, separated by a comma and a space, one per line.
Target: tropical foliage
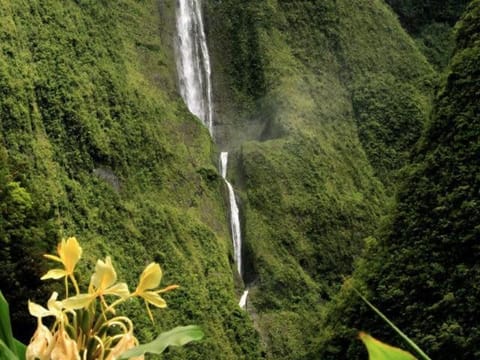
87, 325
422, 272
351, 153
95, 141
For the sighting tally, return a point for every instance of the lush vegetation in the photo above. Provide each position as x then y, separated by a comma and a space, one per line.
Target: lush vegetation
346, 96
87, 323
431, 24
322, 104
423, 270
96, 142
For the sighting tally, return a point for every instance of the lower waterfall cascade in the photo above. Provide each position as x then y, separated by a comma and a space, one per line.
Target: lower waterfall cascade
234, 224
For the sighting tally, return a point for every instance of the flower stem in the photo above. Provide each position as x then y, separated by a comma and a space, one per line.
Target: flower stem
75, 284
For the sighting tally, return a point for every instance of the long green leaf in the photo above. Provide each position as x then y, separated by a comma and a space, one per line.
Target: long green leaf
21, 349
6, 335
178, 336
377, 350
6, 353
392, 325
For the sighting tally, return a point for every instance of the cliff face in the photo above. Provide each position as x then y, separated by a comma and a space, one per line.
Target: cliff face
423, 271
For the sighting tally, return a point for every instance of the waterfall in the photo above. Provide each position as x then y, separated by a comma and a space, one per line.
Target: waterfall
234, 215
243, 300
193, 61
193, 67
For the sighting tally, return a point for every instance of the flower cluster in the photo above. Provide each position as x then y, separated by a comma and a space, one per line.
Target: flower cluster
86, 325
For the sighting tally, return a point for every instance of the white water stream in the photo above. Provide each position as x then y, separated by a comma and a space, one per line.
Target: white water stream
234, 224
243, 300
234, 215
193, 61
193, 67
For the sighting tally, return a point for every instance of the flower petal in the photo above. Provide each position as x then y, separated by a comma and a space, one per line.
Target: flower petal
54, 274
37, 310
55, 306
168, 288
104, 276
53, 257
150, 278
78, 301
65, 348
70, 252
120, 289
154, 299
40, 344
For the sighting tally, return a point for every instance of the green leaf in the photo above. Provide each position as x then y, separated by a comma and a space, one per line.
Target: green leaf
377, 350
21, 349
6, 335
6, 353
394, 327
179, 336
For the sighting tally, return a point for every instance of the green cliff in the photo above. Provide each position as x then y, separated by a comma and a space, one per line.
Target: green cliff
339, 129
329, 100
423, 271
96, 143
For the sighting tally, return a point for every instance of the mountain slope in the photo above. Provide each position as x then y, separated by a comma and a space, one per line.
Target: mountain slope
96, 143
423, 272
326, 99
320, 103
431, 25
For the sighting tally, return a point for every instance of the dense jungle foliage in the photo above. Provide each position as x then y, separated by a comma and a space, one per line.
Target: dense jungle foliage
96, 143
350, 150
423, 271
345, 95
431, 24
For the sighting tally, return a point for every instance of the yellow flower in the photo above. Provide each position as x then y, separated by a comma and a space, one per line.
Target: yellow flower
41, 343
104, 278
102, 283
54, 308
150, 279
69, 252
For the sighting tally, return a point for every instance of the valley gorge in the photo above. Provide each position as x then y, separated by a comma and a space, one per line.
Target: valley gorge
268, 155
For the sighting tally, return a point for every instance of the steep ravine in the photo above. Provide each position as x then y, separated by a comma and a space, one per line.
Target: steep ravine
318, 103
301, 91
423, 268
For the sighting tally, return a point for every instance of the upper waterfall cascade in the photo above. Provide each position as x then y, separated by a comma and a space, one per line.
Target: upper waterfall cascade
193, 62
